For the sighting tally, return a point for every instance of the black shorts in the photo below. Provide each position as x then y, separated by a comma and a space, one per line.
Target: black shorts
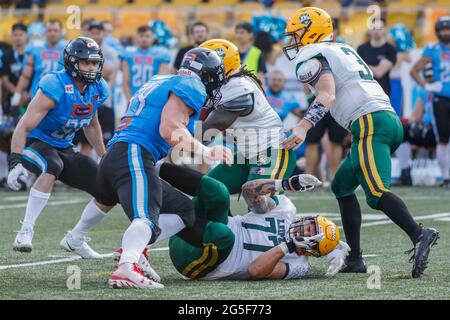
335, 132
441, 112
68, 166
127, 176
107, 123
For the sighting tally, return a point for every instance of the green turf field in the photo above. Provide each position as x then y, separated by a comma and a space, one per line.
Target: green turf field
383, 243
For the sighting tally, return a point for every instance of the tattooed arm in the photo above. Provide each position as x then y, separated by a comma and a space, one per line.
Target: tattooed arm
255, 194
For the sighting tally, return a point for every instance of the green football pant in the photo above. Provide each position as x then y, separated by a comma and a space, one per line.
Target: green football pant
375, 136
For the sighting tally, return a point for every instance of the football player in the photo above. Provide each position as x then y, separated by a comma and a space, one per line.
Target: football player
246, 116
65, 101
140, 63
344, 86
42, 57
438, 54
160, 115
273, 244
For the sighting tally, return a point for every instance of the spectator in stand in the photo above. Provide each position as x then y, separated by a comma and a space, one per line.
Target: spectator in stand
199, 33
252, 57
380, 55
281, 101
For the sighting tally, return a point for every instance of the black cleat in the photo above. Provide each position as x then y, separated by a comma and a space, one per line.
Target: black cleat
354, 265
419, 258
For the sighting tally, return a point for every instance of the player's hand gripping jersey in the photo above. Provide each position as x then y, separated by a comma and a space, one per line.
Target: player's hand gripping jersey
357, 93
72, 111
141, 123
254, 235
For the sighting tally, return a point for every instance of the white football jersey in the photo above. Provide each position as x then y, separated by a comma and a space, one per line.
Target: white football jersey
262, 128
357, 93
254, 235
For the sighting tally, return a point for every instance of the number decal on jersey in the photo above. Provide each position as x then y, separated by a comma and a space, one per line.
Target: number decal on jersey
445, 71
364, 76
276, 228
49, 66
141, 74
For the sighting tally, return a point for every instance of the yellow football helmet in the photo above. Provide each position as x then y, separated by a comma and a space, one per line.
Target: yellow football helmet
311, 226
227, 51
306, 26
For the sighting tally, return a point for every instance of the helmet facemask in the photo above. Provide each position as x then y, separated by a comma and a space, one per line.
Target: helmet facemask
89, 76
295, 43
305, 227
213, 83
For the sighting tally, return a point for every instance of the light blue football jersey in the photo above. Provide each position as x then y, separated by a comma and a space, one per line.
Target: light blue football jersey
144, 64
72, 111
141, 123
440, 55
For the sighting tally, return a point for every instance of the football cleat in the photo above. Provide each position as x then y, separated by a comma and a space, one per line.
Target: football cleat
79, 247
354, 264
143, 263
129, 275
23, 241
421, 249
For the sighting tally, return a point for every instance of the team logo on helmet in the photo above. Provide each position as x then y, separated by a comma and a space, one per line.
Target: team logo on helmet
220, 53
305, 18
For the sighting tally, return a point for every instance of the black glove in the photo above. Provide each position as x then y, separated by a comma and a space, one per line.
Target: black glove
13, 160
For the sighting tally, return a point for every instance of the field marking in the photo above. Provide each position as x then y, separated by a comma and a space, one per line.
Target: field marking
69, 259
106, 255
51, 203
444, 219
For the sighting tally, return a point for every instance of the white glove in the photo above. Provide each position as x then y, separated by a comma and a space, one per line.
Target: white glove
434, 86
15, 99
307, 243
336, 259
14, 175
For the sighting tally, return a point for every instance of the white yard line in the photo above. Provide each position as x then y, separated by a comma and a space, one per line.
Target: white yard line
51, 203
107, 255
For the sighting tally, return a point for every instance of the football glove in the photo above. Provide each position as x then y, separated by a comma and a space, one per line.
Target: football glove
300, 183
336, 259
16, 171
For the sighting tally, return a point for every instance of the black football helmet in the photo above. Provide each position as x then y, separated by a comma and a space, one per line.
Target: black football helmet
209, 67
83, 48
442, 23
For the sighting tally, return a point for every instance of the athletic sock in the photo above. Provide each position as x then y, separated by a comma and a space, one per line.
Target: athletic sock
396, 210
36, 203
351, 222
443, 156
134, 241
170, 224
404, 155
91, 216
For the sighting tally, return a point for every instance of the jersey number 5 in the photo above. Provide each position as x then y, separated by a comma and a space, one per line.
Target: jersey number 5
365, 76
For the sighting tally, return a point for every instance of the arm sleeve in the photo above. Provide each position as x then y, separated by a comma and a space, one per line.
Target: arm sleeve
51, 87
192, 92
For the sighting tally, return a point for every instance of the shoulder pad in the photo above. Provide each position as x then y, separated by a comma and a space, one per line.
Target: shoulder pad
236, 87
309, 52
245, 102
309, 70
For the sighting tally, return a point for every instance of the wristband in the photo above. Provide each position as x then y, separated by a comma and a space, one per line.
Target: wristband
287, 247
315, 112
13, 160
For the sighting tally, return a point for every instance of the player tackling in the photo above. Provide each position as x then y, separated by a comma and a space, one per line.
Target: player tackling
345, 87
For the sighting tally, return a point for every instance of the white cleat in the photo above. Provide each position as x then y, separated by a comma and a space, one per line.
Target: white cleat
79, 247
143, 263
23, 241
129, 275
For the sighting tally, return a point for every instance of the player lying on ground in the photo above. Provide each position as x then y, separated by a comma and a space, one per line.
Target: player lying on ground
163, 106
345, 87
65, 101
258, 245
